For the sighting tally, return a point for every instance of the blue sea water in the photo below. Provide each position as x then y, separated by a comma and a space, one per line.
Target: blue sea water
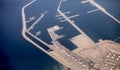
18, 54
